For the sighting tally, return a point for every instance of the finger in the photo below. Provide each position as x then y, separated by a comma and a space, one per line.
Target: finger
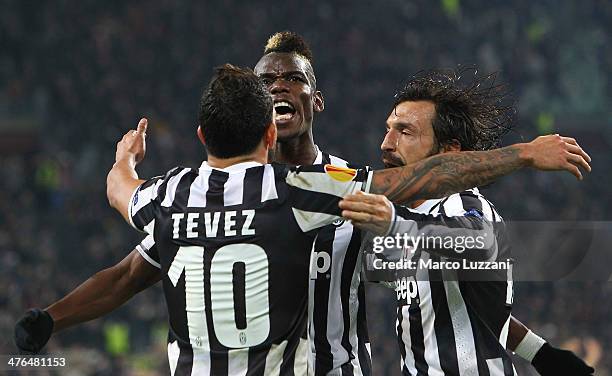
576, 149
356, 216
142, 126
578, 160
574, 170
570, 140
360, 206
366, 197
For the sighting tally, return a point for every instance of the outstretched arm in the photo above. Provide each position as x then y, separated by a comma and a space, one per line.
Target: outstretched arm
104, 291
446, 173
99, 295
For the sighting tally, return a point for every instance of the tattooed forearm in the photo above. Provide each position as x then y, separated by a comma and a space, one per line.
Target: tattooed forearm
447, 173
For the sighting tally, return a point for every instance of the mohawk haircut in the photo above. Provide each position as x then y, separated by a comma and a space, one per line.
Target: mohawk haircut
475, 111
292, 43
289, 42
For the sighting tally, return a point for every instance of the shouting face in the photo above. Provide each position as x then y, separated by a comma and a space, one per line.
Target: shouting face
289, 79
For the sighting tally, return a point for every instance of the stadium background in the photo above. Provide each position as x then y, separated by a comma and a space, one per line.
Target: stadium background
74, 76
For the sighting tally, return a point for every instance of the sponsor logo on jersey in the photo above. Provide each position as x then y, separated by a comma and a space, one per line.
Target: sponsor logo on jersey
342, 174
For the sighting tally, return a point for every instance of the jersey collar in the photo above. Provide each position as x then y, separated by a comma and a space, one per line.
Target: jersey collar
235, 167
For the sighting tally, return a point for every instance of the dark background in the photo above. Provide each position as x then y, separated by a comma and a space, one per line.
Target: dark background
75, 75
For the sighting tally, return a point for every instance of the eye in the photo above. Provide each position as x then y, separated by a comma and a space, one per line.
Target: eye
296, 78
267, 81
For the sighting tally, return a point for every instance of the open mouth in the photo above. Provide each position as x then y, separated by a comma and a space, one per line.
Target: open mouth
283, 110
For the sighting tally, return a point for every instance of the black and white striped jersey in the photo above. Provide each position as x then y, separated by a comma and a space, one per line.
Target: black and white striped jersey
235, 246
453, 322
337, 329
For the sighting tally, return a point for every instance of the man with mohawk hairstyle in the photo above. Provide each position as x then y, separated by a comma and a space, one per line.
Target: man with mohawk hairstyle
338, 335
286, 67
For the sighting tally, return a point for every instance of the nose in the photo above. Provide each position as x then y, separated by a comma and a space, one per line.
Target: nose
389, 142
279, 86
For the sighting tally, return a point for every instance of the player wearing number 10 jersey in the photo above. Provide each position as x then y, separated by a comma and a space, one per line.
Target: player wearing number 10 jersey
235, 247
232, 236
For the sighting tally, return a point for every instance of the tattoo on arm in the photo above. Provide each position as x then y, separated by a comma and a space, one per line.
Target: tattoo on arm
444, 174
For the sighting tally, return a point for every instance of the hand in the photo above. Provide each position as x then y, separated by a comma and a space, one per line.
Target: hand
368, 212
33, 331
554, 152
550, 361
132, 146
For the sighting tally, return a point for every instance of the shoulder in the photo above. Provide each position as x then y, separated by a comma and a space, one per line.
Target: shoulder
469, 201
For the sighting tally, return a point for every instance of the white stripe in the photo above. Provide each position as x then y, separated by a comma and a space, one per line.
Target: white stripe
145, 196
171, 188
335, 320
453, 207
430, 341
201, 361
308, 220
274, 359
144, 254
462, 327
268, 184
503, 336
300, 365
173, 356
150, 227
405, 324
337, 161
234, 188
496, 367
322, 182
237, 362
198, 190
487, 210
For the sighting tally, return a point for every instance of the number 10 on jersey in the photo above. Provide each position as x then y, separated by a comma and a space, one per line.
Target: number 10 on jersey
190, 259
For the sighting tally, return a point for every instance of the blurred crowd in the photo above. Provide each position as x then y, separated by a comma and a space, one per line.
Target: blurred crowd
75, 76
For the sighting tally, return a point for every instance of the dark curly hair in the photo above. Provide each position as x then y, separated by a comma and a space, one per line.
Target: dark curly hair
471, 110
292, 43
235, 111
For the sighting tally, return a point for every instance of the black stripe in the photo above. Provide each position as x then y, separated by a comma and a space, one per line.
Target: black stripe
183, 190
214, 195
363, 337
400, 333
152, 252
143, 216
325, 158
417, 340
288, 364
314, 201
443, 325
348, 270
185, 361
257, 361
161, 192
324, 358
253, 181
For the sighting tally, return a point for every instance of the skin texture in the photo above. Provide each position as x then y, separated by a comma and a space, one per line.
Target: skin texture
409, 139
288, 78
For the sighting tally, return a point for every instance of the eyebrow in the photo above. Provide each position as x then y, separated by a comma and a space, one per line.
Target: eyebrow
285, 74
400, 125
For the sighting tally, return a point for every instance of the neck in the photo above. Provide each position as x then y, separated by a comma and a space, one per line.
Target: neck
257, 156
300, 150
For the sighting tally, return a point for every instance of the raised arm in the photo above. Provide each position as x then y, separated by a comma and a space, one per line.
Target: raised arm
446, 173
122, 180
